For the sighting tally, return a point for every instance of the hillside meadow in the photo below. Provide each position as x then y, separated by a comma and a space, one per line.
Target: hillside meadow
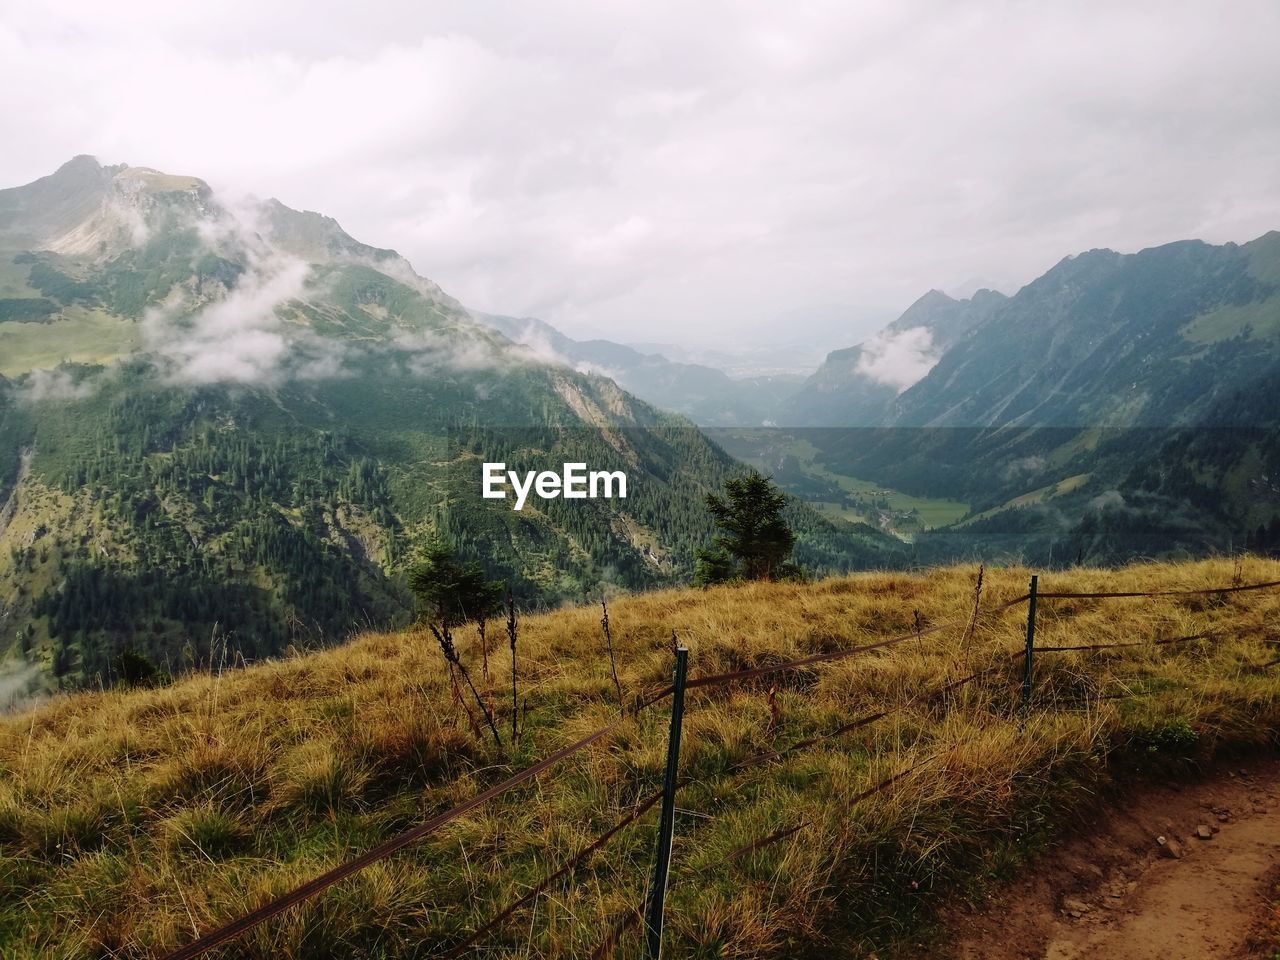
132, 820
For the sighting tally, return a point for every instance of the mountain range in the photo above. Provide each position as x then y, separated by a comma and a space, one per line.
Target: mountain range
707, 395
1118, 405
231, 426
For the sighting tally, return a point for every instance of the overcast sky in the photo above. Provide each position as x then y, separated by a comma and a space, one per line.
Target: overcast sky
682, 171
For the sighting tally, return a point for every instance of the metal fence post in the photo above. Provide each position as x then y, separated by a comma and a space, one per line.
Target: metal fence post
657, 898
1031, 642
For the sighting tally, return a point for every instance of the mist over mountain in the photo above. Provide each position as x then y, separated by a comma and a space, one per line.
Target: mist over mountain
231, 419
704, 394
1118, 405
857, 385
229, 424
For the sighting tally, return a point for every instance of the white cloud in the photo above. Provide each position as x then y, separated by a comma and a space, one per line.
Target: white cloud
41, 385
236, 339
899, 359
22, 685
691, 171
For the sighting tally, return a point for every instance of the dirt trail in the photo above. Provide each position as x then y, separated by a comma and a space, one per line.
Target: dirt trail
1112, 891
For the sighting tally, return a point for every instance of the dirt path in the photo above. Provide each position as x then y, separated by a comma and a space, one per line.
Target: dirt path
1113, 891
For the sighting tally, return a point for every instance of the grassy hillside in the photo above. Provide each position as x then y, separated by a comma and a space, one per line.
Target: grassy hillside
131, 820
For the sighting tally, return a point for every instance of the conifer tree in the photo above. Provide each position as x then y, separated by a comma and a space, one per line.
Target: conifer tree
755, 541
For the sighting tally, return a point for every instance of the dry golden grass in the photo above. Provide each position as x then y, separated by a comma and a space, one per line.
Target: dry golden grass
131, 820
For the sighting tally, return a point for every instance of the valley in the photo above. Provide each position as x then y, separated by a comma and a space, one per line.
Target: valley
1051, 425
792, 459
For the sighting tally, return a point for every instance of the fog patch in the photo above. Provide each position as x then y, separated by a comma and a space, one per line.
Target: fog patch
899, 359
1108, 500
1024, 466
238, 339
22, 685
426, 352
57, 384
536, 340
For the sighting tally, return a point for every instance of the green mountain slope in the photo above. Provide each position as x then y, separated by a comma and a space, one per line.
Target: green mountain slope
225, 431
1118, 406
857, 386
1103, 339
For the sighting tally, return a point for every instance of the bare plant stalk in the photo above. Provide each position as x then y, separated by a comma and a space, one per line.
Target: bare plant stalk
445, 639
613, 663
977, 600
919, 628
512, 631
456, 702
482, 626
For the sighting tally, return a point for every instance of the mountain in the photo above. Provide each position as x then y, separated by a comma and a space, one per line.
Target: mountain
1119, 404
706, 395
1105, 339
226, 429
858, 385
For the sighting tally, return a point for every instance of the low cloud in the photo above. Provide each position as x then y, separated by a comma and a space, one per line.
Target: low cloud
536, 339
1108, 500
426, 353
1024, 467
252, 334
237, 339
22, 685
59, 384
899, 359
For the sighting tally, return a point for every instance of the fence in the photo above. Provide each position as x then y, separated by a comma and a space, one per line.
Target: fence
651, 914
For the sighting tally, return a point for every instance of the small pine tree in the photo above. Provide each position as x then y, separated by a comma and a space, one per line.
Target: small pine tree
755, 542
132, 669
714, 565
450, 592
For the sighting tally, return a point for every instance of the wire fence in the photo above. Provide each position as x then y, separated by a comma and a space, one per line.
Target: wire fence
636, 916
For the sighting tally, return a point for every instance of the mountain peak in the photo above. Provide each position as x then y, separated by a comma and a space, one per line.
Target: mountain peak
80, 162
314, 236
934, 296
137, 180
925, 311
52, 204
